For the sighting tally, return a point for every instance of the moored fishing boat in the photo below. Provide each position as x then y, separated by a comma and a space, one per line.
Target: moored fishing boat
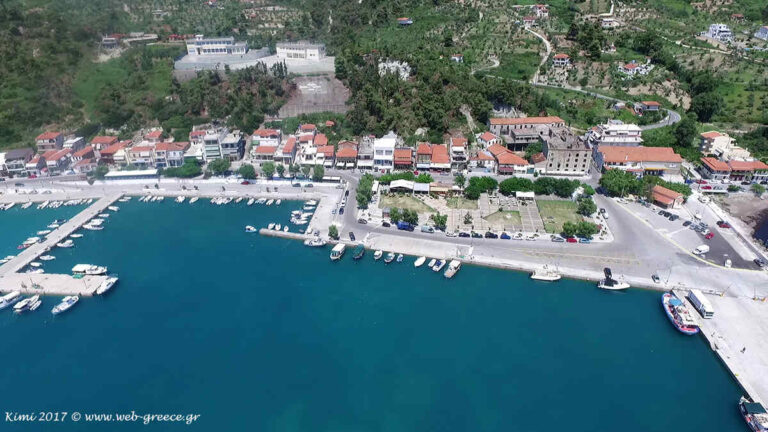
250, 201
419, 261
193, 200
358, 252
75, 235
29, 242
679, 314
399, 258
261, 201
238, 200
389, 258
66, 304
285, 228
439, 265
338, 251
26, 205
754, 415
180, 199
546, 274
315, 242
432, 263
113, 208
43, 232
103, 215
278, 202
377, 255
250, 229
278, 227
609, 283
270, 202
66, 244
47, 258
107, 285
452, 269
27, 304
271, 225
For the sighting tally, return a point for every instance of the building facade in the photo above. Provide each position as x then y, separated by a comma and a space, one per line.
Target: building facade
203, 46
615, 133
300, 50
566, 153
49, 141
659, 161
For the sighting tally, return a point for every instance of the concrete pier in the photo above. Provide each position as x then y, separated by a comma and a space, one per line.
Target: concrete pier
50, 284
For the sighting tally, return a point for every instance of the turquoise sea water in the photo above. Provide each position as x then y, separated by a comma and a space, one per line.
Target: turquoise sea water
257, 333
17, 225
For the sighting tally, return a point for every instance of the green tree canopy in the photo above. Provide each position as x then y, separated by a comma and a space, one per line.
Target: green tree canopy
247, 171
318, 172
219, 166
268, 169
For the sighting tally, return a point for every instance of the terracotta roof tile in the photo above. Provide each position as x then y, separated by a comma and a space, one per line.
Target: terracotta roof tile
619, 154
48, 136
715, 164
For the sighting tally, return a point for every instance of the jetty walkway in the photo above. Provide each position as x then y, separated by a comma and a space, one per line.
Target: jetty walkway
53, 284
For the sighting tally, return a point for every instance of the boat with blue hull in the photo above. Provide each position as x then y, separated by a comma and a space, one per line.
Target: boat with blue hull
679, 315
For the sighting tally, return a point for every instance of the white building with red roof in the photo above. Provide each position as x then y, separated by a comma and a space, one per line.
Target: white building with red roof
57, 161
487, 139
36, 165
529, 21
441, 160
423, 156
84, 153
346, 154
170, 154
640, 160
154, 136
268, 137
459, 152
483, 161
100, 142
561, 60
721, 145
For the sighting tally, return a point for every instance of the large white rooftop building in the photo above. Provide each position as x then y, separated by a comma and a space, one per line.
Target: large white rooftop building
300, 50
203, 46
616, 133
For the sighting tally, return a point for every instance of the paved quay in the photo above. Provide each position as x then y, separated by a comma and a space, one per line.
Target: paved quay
50, 284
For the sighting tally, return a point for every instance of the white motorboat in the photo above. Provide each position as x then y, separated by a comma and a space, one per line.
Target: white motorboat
239, 200
453, 268
315, 242
431, 263
378, 254
9, 299
278, 202
76, 235
53, 226
285, 228
296, 213
308, 207
26, 304
35, 264
124, 199
278, 227
43, 232
250, 201
103, 215
161, 198
35, 271
93, 227
311, 202
113, 208
271, 225
546, 274
29, 242
270, 202
26, 205
107, 285
4, 260
193, 200
261, 201
66, 303
47, 258
43, 205
180, 199
250, 229
609, 283
88, 269
438, 265
338, 251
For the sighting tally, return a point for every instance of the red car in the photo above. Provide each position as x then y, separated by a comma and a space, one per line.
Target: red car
724, 225
245, 182
709, 236
571, 240
706, 187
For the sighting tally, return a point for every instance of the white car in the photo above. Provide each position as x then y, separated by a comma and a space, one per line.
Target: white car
451, 234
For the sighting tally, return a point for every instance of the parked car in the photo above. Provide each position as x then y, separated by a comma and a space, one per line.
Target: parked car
341, 210
491, 235
655, 278
709, 235
571, 240
686, 223
362, 221
352, 236
346, 193
584, 240
427, 229
723, 224
245, 182
18, 184
464, 234
760, 263
451, 234
505, 236
661, 213
602, 210
707, 187
558, 239
476, 235
674, 217
386, 224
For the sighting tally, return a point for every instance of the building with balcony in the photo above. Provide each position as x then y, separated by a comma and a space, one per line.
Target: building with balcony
16, 160
658, 161
215, 46
384, 152
518, 133
302, 50
49, 141
615, 133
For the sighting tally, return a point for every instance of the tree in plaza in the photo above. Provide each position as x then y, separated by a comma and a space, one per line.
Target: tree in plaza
318, 172
424, 178
305, 170
247, 171
468, 219
268, 169
460, 181
333, 232
586, 229
394, 215
515, 184
758, 189
588, 190
586, 207
570, 229
280, 170
293, 169
619, 182
364, 191
441, 221
410, 216
219, 166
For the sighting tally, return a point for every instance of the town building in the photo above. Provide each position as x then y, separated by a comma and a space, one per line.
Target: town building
566, 154
666, 198
721, 145
561, 60
346, 155
512, 164
300, 50
85, 166
640, 160
384, 152
423, 156
365, 154
264, 153
320, 140
57, 161
540, 10
529, 21
714, 169
615, 133
225, 45
233, 146
74, 143
101, 142
154, 137
487, 139
647, 106
441, 160
268, 137
634, 68
539, 162
142, 155
107, 154
762, 33
737, 170
16, 160
459, 152
35, 166
83, 153
403, 159
49, 141
287, 152
3, 169
518, 133
483, 161
719, 32
325, 156
170, 154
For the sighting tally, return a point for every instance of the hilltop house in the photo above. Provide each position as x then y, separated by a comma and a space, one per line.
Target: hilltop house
762, 33
300, 50
487, 139
561, 60
719, 32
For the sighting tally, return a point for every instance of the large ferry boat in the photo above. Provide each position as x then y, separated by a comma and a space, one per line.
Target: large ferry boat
754, 414
337, 251
679, 315
88, 269
9, 299
66, 303
546, 274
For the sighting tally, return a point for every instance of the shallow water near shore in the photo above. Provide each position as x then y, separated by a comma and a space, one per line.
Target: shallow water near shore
259, 333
